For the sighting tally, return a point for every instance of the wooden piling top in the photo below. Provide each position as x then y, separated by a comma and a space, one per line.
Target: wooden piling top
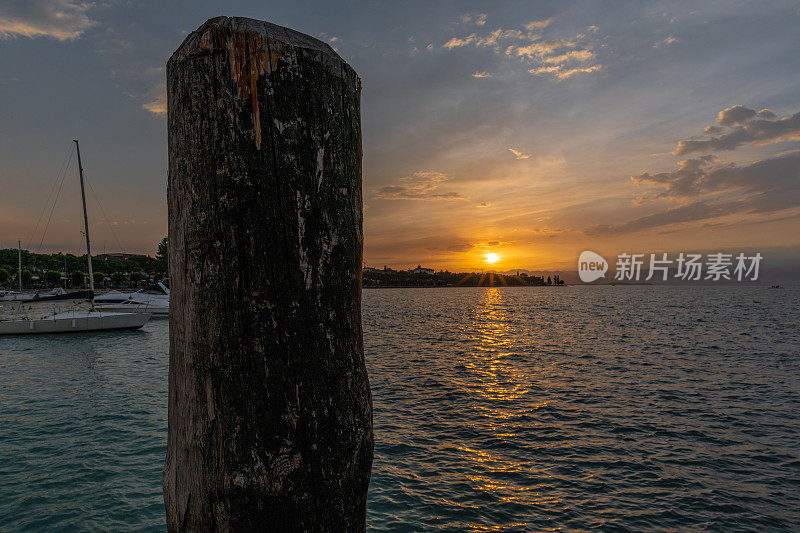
255, 37
255, 48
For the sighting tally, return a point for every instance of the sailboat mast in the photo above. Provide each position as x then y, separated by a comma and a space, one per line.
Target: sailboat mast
19, 249
85, 219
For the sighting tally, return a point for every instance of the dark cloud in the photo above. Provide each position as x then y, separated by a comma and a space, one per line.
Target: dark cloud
775, 182
733, 116
745, 127
455, 247
685, 181
764, 186
686, 213
424, 249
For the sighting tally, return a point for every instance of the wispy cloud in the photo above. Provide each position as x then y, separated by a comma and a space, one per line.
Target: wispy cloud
539, 49
561, 72
493, 38
137, 64
58, 19
478, 19
558, 58
157, 100
423, 185
539, 24
576, 55
666, 42
518, 154
552, 58
481, 74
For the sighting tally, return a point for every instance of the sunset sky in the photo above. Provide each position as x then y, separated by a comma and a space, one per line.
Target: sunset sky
531, 130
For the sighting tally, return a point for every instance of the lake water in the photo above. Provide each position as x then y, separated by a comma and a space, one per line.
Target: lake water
496, 409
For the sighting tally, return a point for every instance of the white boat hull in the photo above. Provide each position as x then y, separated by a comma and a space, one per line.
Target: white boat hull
15, 297
156, 311
75, 321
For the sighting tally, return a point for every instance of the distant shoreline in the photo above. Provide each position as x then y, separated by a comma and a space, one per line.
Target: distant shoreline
495, 286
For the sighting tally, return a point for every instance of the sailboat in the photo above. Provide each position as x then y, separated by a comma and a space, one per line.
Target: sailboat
77, 320
11, 296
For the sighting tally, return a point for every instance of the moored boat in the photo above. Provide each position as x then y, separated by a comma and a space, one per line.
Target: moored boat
153, 298
157, 310
75, 321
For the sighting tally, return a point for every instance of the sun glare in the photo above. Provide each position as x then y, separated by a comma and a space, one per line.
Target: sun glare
492, 258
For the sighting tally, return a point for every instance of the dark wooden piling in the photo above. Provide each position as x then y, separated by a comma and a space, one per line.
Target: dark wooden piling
270, 414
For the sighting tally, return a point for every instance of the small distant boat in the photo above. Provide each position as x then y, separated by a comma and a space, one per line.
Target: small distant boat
75, 320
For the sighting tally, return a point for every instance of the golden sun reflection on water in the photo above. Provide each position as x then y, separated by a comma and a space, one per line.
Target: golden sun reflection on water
498, 382
492, 377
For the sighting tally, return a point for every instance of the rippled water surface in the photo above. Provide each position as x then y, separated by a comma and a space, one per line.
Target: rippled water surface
502, 409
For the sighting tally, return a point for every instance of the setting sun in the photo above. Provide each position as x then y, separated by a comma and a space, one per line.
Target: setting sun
492, 258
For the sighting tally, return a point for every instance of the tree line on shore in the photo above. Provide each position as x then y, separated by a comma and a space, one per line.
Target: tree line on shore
70, 270
387, 277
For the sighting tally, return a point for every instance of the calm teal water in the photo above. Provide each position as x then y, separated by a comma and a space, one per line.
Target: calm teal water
511, 409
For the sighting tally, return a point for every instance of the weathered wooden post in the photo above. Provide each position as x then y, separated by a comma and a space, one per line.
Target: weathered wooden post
270, 414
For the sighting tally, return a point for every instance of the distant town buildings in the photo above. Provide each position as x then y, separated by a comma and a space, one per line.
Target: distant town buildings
419, 270
115, 257
422, 270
